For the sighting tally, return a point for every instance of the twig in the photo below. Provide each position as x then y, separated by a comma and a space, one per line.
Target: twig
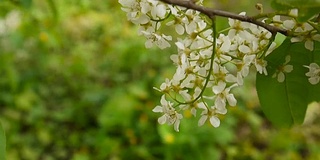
214, 12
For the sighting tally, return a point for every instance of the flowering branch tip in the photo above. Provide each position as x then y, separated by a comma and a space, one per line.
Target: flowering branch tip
214, 12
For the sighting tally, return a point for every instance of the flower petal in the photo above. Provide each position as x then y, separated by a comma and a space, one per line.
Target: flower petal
219, 88
309, 45
162, 119
176, 125
215, 122
288, 68
158, 109
231, 100
281, 77
202, 120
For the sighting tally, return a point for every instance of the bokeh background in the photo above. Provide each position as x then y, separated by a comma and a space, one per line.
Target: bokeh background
76, 83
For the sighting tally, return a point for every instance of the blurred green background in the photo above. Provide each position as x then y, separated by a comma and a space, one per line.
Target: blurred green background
76, 83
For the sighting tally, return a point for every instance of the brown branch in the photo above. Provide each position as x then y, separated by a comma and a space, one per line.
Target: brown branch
213, 12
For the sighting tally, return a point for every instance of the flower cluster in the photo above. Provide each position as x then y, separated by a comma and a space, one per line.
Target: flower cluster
300, 31
209, 64
148, 14
304, 31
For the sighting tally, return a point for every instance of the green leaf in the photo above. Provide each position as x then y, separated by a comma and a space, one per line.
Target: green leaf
23, 3
295, 3
285, 104
26, 3
307, 9
2, 143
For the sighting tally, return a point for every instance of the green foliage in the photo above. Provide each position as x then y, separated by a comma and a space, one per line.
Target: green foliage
23, 3
2, 143
307, 8
285, 103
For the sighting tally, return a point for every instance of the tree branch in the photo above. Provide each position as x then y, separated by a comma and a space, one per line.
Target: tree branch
213, 12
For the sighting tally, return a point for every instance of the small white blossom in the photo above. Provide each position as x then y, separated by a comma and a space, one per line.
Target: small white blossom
304, 27
158, 10
285, 68
188, 98
238, 27
177, 21
314, 73
261, 66
179, 28
136, 10
223, 96
308, 38
155, 39
243, 67
165, 86
170, 115
191, 21
305, 33
208, 114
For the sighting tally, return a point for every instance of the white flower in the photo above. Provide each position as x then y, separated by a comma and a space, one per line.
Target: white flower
165, 86
223, 96
260, 32
188, 98
246, 62
183, 47
170, 115
305, 33
149, 27
155, 39
189, 81
243, 67
244, 49
211, 114
199, 36
314, 73
191, 21
179, 28
158, 10
182, 69
261, 66
304, 27
238, 27
129, 5
309, 39
177, 22
225, 43
136, 10
282, 69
